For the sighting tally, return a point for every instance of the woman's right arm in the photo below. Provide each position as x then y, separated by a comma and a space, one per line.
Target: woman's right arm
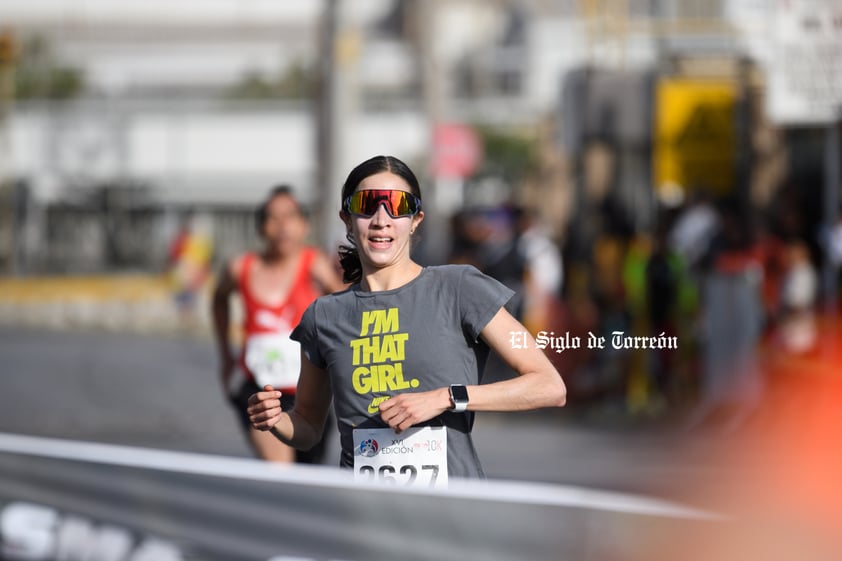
303, 426
221, 313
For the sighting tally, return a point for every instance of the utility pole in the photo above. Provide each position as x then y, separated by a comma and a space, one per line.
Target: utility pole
9, 193
326, 108
338, 104
436, 230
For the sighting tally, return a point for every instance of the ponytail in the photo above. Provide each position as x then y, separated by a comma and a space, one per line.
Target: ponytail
349, 260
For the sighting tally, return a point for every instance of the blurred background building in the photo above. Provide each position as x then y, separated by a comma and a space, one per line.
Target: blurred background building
622, 127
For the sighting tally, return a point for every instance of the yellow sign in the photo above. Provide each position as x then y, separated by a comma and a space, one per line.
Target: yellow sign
695, 135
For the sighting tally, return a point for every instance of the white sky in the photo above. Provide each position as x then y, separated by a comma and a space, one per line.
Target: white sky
184, 11
181, 12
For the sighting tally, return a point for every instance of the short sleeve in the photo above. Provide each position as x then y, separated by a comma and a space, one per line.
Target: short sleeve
307, 335
480, 298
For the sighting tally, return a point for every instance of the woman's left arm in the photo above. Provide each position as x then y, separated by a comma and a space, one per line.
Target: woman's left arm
538, 383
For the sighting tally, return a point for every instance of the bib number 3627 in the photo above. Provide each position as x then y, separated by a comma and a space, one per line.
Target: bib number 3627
417, 457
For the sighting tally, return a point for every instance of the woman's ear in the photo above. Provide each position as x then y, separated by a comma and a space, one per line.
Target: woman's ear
346, 219
417, 219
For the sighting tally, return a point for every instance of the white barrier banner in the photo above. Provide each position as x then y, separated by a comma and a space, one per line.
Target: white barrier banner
66, 500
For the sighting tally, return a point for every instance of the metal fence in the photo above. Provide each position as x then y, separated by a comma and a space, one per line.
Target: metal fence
107, 229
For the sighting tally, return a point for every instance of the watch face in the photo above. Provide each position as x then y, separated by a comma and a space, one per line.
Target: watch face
459, 394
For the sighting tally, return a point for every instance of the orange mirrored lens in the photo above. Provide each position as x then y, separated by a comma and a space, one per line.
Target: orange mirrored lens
398, 203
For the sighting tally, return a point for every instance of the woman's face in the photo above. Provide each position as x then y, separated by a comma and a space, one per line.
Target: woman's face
383, 241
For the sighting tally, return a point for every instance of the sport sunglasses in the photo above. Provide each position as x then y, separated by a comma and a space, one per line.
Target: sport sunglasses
398, 203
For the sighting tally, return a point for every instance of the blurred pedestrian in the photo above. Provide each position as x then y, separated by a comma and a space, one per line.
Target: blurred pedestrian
275, 285
401, 352
694, 230
833, 250
499, 254
188, 265
662, 286
543, 270
732, 316
797, 328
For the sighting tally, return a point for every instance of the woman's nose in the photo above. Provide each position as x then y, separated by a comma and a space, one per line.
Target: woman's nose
381, 215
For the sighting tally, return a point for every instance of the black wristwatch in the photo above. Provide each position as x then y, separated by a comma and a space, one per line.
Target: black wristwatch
459, 398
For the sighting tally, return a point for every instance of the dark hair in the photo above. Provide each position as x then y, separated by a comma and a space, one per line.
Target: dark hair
349, 257
261, 212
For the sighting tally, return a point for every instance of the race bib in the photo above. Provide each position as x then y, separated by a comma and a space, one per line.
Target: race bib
415, 458
274, 359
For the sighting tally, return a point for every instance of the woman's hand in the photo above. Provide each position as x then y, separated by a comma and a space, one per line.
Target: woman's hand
407, 409
265, 408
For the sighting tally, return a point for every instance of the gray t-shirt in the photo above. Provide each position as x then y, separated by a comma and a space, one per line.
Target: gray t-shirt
419, 337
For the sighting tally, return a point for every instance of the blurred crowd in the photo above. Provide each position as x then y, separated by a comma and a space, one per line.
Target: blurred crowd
739, 290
